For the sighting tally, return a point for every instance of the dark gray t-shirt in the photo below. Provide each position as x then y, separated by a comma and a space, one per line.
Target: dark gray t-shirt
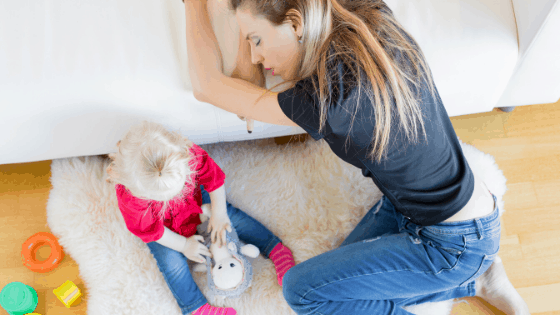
427, 182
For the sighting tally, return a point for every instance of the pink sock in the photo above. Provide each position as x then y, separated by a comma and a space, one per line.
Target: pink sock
208, 309
283, 260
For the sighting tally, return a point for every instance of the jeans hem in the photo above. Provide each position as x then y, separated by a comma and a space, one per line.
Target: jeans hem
471, 288
189, 309
270, 246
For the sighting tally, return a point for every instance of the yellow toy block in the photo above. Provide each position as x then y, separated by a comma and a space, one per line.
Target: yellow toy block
67, 293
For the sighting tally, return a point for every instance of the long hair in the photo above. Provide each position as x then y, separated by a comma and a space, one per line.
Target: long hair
365, 35
154, 164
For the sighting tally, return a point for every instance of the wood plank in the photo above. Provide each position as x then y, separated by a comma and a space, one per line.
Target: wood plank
510, 251
527, 146
526, 220
25, 176
542, 299
479, 126
532, 271
548, 193
544, 244
15, 231
535, 120
10, 204
474, 305
521, 195
545, 168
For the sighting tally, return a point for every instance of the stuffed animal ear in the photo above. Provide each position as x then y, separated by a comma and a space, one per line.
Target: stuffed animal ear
206, 210
203, 217
232, 247
250, 250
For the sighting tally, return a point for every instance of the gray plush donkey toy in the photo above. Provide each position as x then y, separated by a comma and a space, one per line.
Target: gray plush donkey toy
232, 273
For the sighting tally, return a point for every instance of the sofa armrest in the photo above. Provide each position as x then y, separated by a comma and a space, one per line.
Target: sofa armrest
536, 78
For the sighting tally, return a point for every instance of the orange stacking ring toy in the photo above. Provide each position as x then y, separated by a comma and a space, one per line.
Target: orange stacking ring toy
32, 244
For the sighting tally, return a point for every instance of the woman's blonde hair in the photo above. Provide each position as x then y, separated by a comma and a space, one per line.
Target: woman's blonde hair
153, 163
367, 38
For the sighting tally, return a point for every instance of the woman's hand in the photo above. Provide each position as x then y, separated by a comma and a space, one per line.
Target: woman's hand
218, 224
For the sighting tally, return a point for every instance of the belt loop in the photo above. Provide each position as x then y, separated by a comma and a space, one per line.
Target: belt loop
478, 228
403, 224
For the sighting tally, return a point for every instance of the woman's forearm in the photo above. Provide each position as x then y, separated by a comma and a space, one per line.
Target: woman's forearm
205, 58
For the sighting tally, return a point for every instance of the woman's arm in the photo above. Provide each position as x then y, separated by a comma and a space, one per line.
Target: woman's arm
205, 59
210, 85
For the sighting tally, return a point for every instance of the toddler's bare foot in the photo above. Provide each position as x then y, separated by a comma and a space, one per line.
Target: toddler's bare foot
495, 288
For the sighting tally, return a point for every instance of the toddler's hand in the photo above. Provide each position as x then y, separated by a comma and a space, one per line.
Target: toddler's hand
194, 249
218, 226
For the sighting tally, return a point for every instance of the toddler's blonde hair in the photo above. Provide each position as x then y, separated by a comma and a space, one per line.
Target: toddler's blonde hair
153, 163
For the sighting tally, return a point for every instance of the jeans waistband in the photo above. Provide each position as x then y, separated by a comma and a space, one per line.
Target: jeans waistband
488, 224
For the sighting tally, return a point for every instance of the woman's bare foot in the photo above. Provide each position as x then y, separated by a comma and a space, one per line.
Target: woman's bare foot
495, 288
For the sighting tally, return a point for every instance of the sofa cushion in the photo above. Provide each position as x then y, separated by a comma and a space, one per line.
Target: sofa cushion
470, 45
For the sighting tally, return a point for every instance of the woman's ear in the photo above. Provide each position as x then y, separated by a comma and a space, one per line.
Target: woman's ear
296, 20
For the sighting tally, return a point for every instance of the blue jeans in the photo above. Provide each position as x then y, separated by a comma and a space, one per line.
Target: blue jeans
175, 269
388, 262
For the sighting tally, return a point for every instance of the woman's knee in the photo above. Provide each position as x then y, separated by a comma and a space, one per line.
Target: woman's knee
292, 285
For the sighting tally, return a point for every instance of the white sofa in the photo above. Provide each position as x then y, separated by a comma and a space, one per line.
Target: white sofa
75, 75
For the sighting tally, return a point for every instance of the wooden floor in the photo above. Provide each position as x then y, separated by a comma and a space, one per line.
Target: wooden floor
525, 144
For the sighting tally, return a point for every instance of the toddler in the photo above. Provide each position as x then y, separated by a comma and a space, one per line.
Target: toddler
161, 181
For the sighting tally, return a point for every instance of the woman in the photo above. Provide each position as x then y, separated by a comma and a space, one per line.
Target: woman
363, 85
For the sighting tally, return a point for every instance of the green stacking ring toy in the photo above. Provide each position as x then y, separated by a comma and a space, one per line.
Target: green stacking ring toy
18, 298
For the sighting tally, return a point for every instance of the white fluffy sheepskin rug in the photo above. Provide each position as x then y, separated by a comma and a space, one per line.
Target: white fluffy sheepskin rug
301, 191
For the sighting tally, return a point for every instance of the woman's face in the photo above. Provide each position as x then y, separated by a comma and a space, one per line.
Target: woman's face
275, 47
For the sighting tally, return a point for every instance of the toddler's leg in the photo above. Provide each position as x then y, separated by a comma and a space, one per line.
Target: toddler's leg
253, 232
283, 261
208, 309
175, 269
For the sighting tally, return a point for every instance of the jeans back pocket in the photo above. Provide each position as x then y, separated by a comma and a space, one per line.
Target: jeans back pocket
487, 261
443, 251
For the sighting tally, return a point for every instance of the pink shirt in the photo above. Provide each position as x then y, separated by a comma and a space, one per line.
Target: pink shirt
182, 216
